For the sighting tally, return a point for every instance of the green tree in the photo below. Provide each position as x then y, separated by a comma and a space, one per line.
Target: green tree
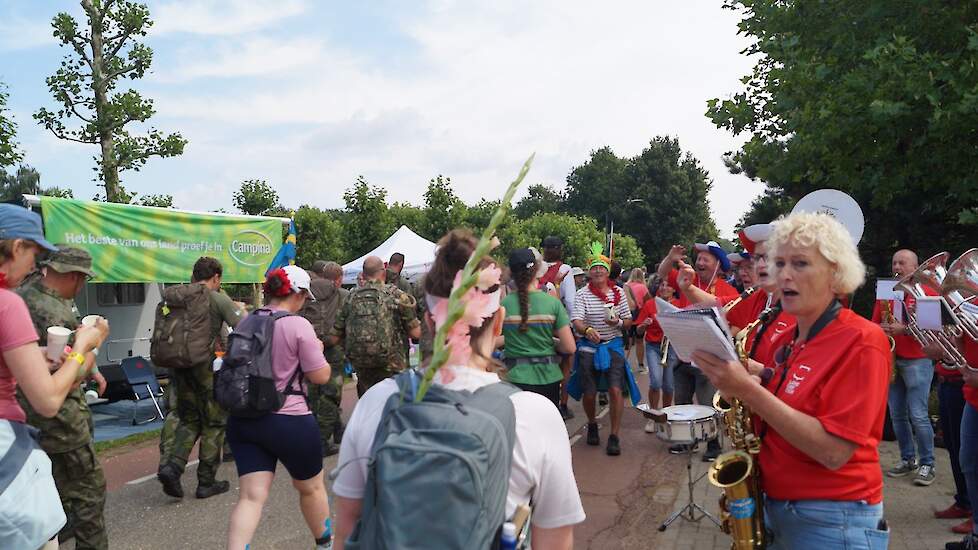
27, 181
539, 199
659, 196
367, 222
767, 207
857, 95
319, 236
159, 201
578, 232
403, 213
85, 87
9, 154
477, 217
443, 210
255, 197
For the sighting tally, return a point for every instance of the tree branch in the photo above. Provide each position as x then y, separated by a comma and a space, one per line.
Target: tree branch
115, 49
62, 135
122, 70
72, 105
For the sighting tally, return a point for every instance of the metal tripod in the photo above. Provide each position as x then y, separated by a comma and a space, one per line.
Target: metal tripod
689, 511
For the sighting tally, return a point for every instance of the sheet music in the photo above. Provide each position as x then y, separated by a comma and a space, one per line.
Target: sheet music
697, 330
662, 306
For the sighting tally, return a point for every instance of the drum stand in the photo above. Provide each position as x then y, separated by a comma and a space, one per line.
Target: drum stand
689, 511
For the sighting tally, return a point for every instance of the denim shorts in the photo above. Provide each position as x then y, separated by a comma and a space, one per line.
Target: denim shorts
824, 524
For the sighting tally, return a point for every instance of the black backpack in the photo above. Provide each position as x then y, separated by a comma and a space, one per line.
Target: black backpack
245, 385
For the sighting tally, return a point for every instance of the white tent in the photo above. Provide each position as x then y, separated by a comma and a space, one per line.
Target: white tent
419, 254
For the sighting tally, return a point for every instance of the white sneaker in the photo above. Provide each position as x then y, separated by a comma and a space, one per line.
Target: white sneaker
642, 369
650, 427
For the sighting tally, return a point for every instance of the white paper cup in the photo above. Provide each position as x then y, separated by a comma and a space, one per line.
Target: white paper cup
57, 340
90, 320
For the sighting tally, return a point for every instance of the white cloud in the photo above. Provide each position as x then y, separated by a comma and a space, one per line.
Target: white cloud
19, 33
251, 57
221, 17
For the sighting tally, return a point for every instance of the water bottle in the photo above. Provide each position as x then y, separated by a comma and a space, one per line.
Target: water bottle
507, 541
218, 360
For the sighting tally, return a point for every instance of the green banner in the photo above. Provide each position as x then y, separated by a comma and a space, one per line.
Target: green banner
133, 244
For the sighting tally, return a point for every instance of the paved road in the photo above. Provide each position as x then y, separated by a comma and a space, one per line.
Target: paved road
625, 498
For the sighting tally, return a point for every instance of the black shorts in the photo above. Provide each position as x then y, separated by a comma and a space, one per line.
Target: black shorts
550, 391
258, 444
588, 375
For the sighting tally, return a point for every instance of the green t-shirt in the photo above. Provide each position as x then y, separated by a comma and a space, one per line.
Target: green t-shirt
546, 315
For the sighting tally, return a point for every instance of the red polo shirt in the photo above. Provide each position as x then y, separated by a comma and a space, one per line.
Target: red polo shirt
746, 311
971, 356
653, 332
719, 288
762, 349
841, 378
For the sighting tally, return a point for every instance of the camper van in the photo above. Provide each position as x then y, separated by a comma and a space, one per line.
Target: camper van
130, 307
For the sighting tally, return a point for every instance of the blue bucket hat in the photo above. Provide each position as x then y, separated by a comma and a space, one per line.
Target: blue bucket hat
713, 248
20, 223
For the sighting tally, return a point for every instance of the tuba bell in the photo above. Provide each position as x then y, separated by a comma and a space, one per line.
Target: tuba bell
960, 289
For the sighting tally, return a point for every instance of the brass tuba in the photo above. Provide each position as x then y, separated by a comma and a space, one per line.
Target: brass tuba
736, 472
960, 289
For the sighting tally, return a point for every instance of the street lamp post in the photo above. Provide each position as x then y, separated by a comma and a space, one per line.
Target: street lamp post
609, 223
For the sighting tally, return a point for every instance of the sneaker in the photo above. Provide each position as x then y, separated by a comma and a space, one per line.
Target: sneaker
565, 411
903, 468
169, 477
642, 369
324, 543
683, 448
603, 399
216, 488
952, 512
964, 527
592, 434
614, 446
969, 542
711, 453
925, 475
650, 427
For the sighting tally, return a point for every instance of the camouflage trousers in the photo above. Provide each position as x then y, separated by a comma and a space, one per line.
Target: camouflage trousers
81, 485
369, 376
324, 401
194, 414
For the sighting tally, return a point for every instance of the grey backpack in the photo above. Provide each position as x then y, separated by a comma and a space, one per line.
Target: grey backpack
439, 469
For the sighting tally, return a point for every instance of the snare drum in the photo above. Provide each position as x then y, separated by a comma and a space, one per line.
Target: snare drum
688, 424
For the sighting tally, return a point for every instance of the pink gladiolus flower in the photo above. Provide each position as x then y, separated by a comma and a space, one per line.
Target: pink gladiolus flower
489, 277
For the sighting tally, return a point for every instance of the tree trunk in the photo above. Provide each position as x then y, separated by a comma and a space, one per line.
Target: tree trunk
110, 169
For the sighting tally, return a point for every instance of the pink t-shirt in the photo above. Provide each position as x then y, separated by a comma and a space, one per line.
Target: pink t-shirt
294, 345
16, 329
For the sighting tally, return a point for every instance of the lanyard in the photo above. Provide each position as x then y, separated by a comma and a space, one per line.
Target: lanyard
768, 317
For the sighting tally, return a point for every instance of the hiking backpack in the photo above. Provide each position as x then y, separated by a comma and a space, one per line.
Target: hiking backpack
439, 470
369, 331
321, 312
182, 329
245, 384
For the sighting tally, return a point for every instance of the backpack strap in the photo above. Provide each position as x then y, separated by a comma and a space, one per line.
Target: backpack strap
290, 386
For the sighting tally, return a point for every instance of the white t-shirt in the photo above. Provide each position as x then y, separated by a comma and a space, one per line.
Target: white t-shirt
541, 468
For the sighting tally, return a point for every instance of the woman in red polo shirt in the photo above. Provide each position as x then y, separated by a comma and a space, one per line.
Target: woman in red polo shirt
969, 439
660, 378
821, 404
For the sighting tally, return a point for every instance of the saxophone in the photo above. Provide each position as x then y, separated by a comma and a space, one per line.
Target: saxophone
736, 472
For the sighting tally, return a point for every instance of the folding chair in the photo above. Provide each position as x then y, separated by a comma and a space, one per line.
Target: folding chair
141, 377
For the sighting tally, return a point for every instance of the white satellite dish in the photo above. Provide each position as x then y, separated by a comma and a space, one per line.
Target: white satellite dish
837, 204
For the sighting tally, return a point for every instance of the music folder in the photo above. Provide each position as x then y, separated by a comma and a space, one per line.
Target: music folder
698, 330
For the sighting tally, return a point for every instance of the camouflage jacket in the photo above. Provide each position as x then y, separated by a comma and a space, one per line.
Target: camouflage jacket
395, 279
403, 313
72, 427
331, 300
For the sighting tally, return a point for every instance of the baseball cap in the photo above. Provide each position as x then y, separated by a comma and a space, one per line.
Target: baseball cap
318, 266
69, 259
577, 271
713, 248
299, 279
552, 242
17, 222
521, 259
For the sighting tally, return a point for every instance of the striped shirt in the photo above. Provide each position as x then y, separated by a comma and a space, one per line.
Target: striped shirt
590, 309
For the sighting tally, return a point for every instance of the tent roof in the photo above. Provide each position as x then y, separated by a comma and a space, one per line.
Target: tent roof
419, 254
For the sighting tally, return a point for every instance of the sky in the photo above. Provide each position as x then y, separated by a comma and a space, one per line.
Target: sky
308, 95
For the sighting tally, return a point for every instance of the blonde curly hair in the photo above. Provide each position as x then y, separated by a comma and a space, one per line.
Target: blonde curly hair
829, 238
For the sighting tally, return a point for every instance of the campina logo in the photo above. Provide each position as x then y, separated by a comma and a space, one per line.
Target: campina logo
250, 247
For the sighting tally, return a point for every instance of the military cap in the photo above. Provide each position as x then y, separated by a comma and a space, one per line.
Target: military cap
68, 259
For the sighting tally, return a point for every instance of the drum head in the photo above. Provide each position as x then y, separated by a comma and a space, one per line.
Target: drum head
837, 204
688, 412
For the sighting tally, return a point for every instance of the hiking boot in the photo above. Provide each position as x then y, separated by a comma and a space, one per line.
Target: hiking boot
330, 449
969, 542
964, 528
614, 446
650, 427
565, 411
603, 399
952, 512
216, 488
169, 477
925, 475
592, 434
338, 430
683, 448
903, 468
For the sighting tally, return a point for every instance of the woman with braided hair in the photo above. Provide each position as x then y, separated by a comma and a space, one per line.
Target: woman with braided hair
535, 330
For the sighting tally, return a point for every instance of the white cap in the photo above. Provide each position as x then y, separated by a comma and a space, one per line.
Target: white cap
299, 279
577, 271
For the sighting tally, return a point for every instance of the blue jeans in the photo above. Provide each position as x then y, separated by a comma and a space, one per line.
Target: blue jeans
969, 453
908, 405
824, 525
951, 402
660, 378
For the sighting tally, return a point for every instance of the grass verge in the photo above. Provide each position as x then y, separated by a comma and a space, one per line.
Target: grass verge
102, 447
